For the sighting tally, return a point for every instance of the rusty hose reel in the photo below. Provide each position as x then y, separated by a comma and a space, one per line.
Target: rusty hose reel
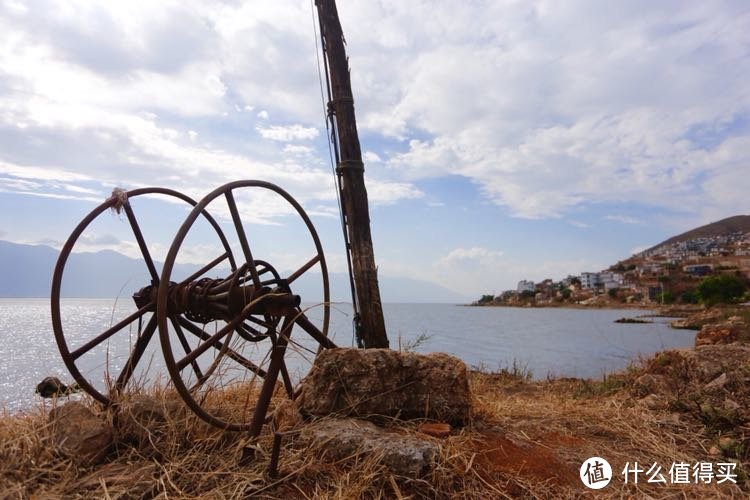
213, 331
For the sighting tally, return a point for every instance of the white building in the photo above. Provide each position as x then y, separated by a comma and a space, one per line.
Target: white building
611, 280
525, 286
590, 280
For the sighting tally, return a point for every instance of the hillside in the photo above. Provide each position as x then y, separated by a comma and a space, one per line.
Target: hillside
737, 223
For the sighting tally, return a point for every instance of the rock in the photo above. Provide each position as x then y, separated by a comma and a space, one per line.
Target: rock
377, 383
732, 330
342, 439
79, 434
718, 382
697, 320
52, 386
439, 430
633, 320
649, 383
713, 360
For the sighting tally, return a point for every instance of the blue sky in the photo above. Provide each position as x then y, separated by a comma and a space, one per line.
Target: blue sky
503, 140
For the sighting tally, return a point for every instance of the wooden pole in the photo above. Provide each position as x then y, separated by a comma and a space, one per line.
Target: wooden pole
351, 170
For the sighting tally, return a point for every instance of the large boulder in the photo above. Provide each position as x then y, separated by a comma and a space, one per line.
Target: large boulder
734, 329
377, 383
349, 438
695, 320
79, 434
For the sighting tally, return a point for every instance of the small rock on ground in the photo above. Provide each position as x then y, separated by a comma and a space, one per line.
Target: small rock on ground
435, 429
79, 434
340, 439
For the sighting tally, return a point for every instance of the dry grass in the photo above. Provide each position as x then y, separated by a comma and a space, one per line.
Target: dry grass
527, 439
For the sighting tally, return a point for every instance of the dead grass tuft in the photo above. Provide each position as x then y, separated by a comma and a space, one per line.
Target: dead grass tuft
527, 439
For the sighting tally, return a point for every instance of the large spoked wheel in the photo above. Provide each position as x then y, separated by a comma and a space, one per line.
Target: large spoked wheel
103, 358
228, 373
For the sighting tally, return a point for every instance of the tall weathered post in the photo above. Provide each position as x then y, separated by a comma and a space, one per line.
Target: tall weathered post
350, 170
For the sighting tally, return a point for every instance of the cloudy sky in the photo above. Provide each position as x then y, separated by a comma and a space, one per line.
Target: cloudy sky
503, 140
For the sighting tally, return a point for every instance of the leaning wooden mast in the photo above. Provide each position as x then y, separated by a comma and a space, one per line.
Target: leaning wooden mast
350, 170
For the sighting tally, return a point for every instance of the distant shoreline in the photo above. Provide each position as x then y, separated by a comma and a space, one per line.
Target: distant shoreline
650, 307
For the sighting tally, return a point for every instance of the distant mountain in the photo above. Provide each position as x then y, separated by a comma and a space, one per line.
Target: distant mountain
737, 223
26, 271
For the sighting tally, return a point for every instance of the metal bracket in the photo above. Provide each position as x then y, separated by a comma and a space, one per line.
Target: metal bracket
344, 165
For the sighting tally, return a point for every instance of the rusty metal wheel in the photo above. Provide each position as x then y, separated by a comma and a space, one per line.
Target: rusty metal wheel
242, 325
103, 358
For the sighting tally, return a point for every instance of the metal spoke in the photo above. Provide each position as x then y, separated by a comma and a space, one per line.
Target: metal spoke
269, 384
284, 373
141, 242
257, 321
302, 270
140, 347
249, 330
287, 381
242, 237
299, 347
272, 281
313, 331
230, 352
205, 268
110, 331
185, 345
209, 342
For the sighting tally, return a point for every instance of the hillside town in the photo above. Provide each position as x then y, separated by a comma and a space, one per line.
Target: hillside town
665, 274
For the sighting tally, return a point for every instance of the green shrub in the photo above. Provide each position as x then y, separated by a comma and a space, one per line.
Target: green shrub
689, 297
486, 299
723, 288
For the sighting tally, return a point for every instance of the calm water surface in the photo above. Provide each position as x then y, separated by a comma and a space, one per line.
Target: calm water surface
562, 342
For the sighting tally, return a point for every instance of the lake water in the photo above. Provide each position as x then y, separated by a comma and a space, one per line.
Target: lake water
557, 342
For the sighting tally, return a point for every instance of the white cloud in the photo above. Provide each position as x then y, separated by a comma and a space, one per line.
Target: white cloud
114, 95
479, 254
287, 133
371, 157
384, 192
298, 150
545, 118
625, 219
550, 108
41, 173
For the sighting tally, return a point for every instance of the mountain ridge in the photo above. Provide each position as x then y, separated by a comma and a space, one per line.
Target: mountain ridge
721, 227
26, 272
